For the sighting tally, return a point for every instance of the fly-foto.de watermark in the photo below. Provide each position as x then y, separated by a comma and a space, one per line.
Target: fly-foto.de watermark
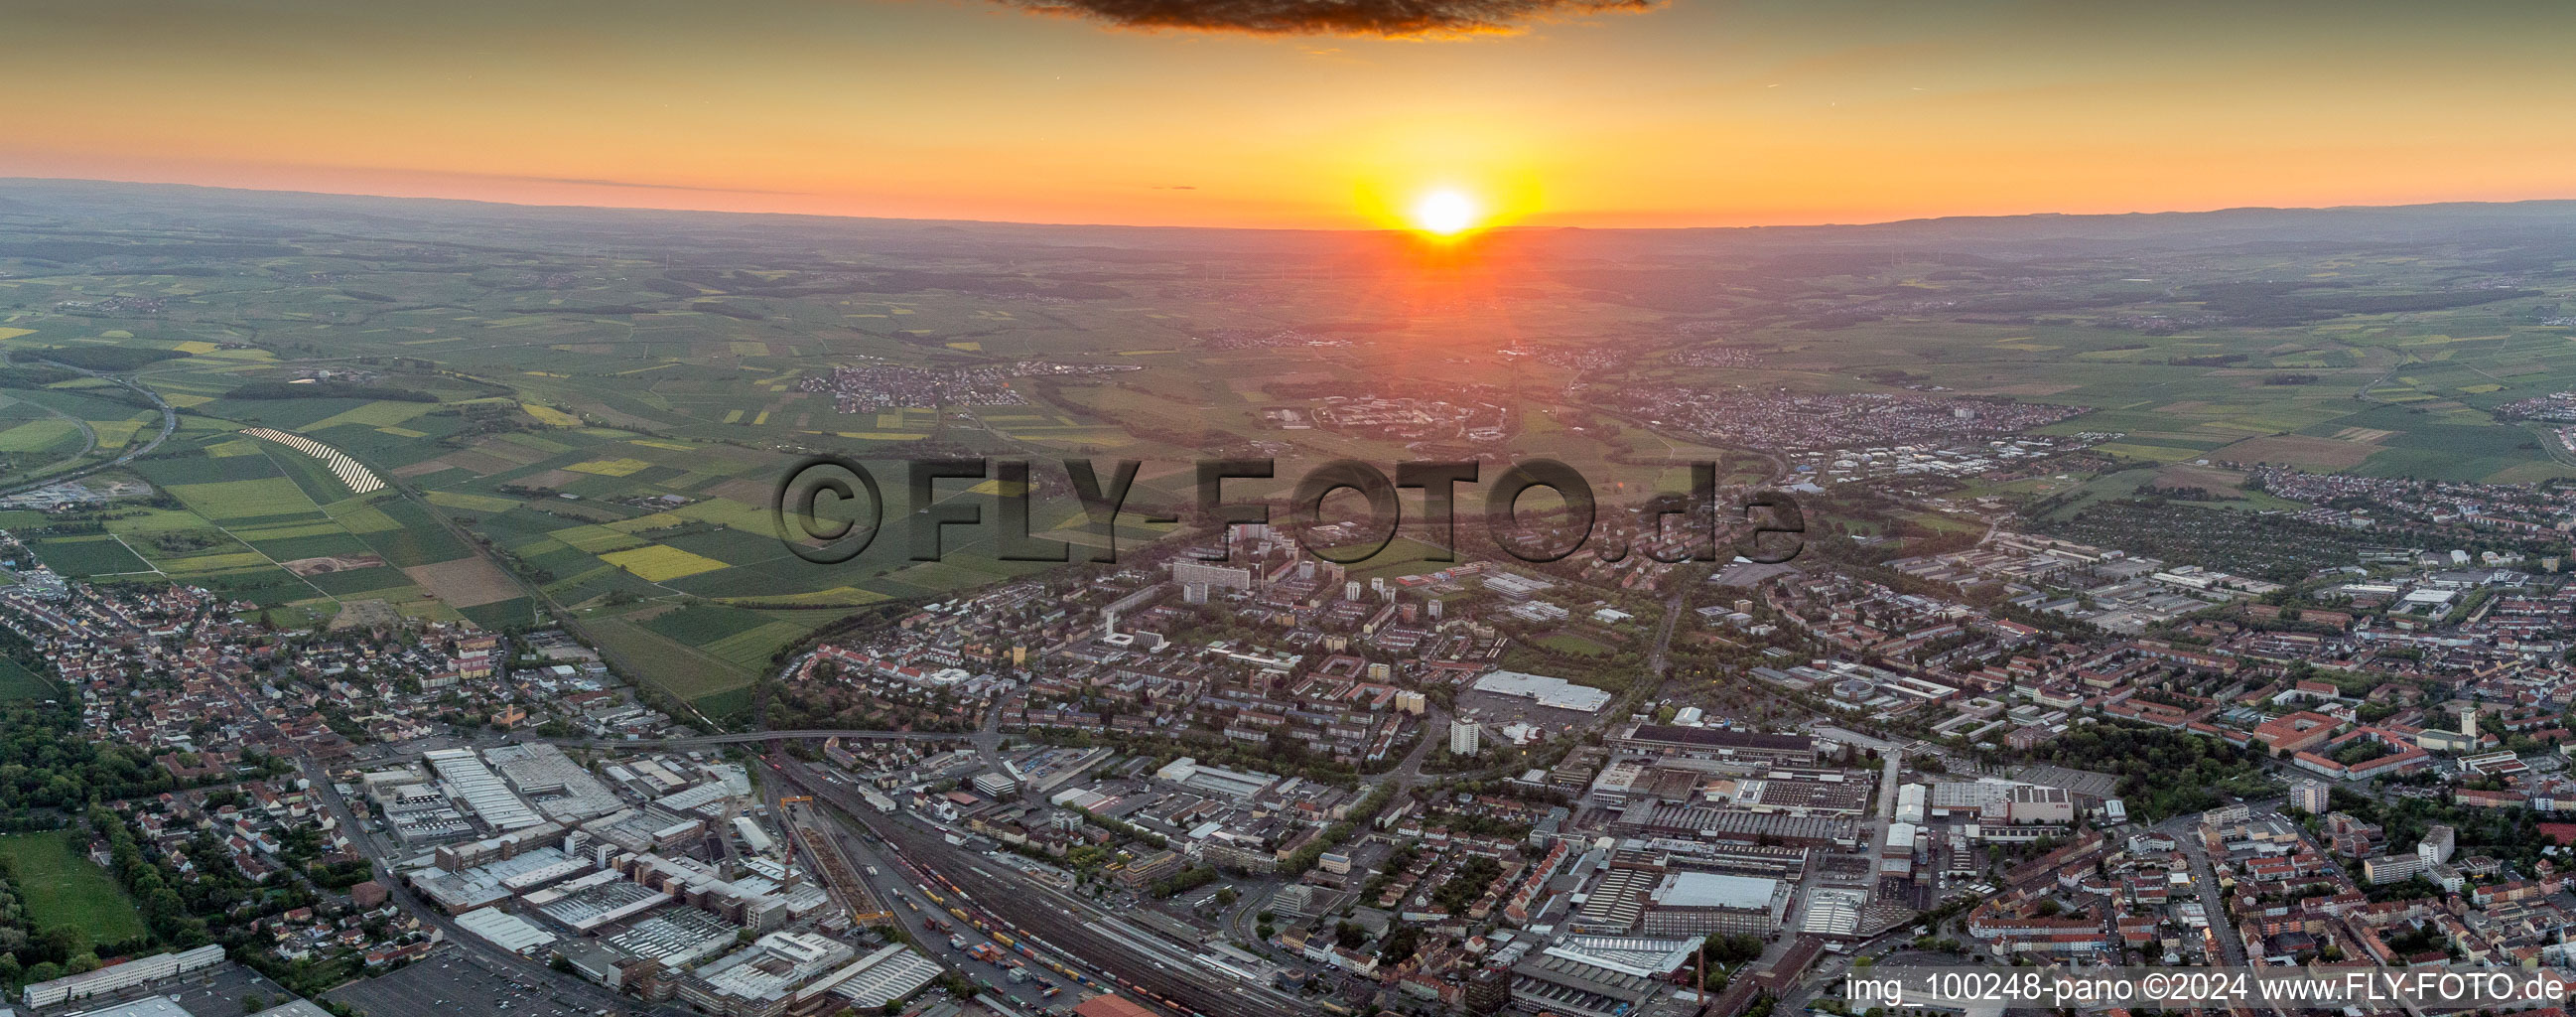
2430, 988
829, 509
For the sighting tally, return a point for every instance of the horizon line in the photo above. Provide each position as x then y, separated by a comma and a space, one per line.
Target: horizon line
10, 181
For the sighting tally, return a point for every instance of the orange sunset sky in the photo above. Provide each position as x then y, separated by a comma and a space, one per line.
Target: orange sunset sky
1692, 113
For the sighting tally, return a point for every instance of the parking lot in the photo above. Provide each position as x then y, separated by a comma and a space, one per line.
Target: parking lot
215, 992
449, 982
1496, 710
219, 992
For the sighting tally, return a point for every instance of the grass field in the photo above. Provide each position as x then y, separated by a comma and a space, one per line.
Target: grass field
675, 666
244, 499
730, 705
16, 682
89, 555
40, 435
705, 624
63, 887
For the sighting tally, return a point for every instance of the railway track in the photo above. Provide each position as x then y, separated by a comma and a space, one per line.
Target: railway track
1057, 922
838, 875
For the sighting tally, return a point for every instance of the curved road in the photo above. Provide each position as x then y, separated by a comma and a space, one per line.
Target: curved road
169, 424
89, 444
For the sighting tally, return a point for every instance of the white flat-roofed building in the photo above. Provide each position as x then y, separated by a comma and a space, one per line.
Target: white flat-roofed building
418, 827
505, 930
1556, 693
2030, 803
598, 903
1514, 586
2428, 598
1191, 774
562, 790
659, 775
482, 790
1553, 983
761, 980
1634, 955
482, 885
1902, 836
559, 891
120, 977
1951, 797
1708, 903
539, 877
891, 973
709, 798
1897, 859
678, 937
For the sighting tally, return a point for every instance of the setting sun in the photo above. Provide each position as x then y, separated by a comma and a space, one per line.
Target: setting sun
1445, 213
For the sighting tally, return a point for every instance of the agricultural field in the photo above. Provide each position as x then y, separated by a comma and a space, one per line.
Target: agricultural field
603, 429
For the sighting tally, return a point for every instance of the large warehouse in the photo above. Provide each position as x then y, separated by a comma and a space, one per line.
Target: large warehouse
1708, 903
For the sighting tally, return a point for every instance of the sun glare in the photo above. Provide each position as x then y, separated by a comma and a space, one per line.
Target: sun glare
1445, 213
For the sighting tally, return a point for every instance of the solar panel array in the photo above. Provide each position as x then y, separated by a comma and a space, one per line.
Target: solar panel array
360, 479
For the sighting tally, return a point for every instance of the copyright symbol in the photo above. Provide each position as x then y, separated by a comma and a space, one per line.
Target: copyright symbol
810, 515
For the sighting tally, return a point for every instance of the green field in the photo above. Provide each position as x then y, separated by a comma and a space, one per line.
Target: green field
91, 555
687, 672
16, 682
63, 887
45, 435
244, 499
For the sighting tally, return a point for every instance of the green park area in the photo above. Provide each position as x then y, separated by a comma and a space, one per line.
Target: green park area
61, 886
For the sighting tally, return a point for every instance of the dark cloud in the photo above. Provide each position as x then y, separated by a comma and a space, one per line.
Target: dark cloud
1382, 18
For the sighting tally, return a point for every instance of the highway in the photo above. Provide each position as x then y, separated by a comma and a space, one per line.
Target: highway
1162, 974
169, 424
